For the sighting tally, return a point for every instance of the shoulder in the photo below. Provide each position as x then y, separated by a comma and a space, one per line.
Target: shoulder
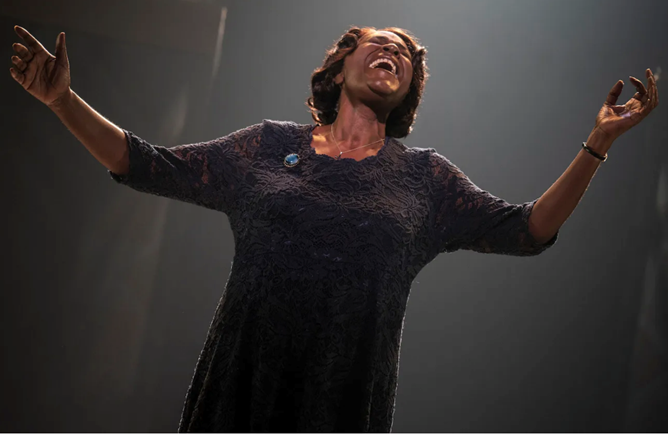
270, 125
436, 164
281, 124
438, 161
280, 131
267, 131
284, 126
428, 157
415, 152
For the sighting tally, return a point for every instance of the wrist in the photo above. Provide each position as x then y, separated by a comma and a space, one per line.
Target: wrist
599, 141
62, 102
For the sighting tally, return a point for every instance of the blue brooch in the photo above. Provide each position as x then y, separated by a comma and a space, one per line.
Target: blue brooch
291, 160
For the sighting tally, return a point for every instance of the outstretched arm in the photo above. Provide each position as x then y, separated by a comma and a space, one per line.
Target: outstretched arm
558, 202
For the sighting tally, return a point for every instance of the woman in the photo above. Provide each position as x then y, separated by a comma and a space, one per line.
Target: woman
332, 222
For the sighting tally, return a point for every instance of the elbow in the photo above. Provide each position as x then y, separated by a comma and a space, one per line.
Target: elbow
543, 239
540, 234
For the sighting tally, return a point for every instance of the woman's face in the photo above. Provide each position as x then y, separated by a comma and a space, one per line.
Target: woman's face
378, 88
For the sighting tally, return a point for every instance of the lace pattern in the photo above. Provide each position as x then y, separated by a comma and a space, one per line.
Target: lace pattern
307, 333
469, 218
206, 174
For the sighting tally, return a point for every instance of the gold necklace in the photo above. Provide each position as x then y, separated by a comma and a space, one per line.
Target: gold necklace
350, 150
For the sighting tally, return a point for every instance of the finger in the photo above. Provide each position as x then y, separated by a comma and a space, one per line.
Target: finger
17, 76
655, 93
29, 39
614, 93
639, 84
61, 51
20, 64
22, 51
651, 102
652, 92
642, 91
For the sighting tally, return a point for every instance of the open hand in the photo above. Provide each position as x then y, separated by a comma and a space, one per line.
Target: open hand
44, 76
614, 120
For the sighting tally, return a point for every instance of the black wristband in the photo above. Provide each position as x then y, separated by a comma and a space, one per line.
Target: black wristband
594, 153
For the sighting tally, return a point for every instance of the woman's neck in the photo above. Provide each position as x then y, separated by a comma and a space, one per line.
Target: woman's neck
357, 126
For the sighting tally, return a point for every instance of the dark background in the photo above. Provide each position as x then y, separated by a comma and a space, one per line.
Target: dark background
107, 293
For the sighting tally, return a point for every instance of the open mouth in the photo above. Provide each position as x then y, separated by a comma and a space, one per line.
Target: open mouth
386, 71
384, 64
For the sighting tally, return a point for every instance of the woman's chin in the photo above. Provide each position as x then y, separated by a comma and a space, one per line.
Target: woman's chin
384, 89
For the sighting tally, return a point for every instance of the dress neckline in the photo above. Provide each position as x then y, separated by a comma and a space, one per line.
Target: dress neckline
311, 154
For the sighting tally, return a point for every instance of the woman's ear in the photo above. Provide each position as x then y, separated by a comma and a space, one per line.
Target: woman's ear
339, 79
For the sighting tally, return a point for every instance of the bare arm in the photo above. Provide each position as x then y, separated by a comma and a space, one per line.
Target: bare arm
557, 204
47, 78
104, 140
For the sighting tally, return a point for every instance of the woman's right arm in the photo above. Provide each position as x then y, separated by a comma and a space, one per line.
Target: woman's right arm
104, 140
209, 173
47, 78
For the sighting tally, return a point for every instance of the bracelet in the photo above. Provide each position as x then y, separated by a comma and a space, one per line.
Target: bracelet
594, 153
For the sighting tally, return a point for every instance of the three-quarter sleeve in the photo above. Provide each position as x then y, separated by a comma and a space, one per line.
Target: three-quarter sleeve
207, 174
469, 218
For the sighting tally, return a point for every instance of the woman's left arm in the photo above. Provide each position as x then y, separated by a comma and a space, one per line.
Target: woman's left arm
558, 202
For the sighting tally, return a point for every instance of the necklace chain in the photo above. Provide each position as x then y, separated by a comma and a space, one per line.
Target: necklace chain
350, 150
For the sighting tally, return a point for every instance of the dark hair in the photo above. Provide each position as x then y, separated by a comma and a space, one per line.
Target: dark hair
325, 93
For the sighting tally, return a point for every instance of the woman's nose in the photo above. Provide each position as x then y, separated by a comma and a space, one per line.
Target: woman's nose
392, 49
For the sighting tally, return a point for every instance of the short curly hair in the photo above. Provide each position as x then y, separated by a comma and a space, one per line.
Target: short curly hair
324, 100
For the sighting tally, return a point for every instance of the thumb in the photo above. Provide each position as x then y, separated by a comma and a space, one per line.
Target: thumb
61, 52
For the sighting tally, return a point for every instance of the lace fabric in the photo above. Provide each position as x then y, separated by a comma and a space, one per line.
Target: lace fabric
307, 333
205, 174
469, 218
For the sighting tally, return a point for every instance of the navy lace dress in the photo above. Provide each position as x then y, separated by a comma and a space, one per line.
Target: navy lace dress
307, 332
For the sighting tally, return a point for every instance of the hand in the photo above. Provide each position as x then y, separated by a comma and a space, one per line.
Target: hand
614, 120
44, 76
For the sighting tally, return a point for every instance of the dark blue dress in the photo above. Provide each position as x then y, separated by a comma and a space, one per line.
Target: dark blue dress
307, 333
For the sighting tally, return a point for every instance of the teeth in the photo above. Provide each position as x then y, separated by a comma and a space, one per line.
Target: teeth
388, 61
